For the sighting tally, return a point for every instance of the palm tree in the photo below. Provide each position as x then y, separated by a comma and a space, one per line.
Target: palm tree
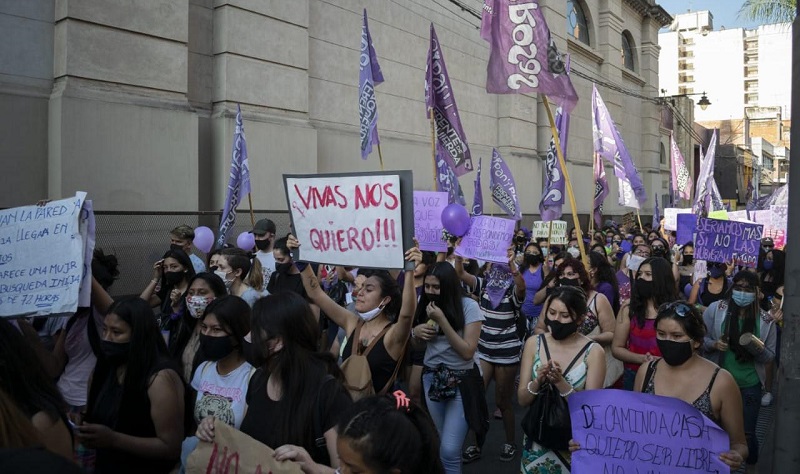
769, 11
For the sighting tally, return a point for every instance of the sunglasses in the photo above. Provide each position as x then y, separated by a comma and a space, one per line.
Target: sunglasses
677, 307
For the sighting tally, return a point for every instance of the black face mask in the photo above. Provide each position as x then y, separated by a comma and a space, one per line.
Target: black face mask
688, 259
533, 260
643, 288
176, 247
215, 348
116, 352
433, 298
283, 267
560, 330
675, 353
569, 282
521, 239
262, 244
173, 278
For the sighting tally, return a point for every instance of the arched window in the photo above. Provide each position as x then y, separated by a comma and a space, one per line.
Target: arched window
628, 56
577, 26
663, 155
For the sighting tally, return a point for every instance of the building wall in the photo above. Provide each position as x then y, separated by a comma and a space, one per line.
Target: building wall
134, 102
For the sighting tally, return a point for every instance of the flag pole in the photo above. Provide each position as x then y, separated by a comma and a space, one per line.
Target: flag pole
549, 234
591, 214
639, 216
380, 155
433, 148
562, 162
252, 216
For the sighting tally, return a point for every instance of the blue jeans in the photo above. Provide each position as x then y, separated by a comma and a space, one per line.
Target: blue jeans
751, 400
448, 416
628, 379
187, 447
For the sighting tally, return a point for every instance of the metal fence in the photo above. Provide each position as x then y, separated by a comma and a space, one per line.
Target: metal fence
139, 238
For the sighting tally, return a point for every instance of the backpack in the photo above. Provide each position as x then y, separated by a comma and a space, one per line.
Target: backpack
356, 370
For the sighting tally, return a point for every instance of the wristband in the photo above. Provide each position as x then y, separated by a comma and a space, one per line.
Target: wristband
570, 392
528, 388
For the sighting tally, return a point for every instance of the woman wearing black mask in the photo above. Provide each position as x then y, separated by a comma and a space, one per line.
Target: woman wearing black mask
533, 272
660, 248
685, 269
771, 276
286, 276
713, 288
222, 380
135, 409
171, 276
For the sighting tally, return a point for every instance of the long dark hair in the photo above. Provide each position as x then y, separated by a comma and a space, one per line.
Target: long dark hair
573, 297
751, 315
577, 267
186, 262
450, 294
23, 377
181, 329
778, 267
299, 366
233, 314
664, 289
389, 438
389, 287
605, 274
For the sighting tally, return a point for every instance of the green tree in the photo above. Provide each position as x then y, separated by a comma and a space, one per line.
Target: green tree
769, 11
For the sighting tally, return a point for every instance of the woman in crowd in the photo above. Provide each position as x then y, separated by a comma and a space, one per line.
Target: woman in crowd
563, 314
221, 381
660, 248
294, 400
685, 266
502, 292
135, 408
727, 321
387, 434
604, 280
635, 336
712, 288
24, 380
626, 274
636, 241
551, 280
233, 267
286, 276
173, 273
533, 272
450, 369
772, 275
418, 353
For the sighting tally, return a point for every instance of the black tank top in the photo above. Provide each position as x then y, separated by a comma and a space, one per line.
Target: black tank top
706, 297
380, 362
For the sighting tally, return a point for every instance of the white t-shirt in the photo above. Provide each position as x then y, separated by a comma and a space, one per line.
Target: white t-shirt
222, 396
267, 260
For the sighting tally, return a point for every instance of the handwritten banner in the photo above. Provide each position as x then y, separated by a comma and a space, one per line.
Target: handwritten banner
725, 241
671, 217
428, 207
44, 266
558, 235
686, 226
232, 452
631, 433
355, 219
488, 239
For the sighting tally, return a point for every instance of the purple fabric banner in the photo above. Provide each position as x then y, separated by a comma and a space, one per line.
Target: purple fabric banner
608, 143
428, 207
600, 189
553, 192
369, 76
439, 98
523, 56
656, 214
239, 181
702, 197
726, 241
477, 201
630, 432
504, 191
488, 239
686, 226
681, 180
447, 181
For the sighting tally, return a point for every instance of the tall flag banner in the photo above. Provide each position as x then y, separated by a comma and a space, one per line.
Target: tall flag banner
681, 180
447, 181
702, 197
369, 76
504, 190
600, 189
238, 182
439, 98
553, 191
656, 215
715, 198
608, 143
523, 56
477, 201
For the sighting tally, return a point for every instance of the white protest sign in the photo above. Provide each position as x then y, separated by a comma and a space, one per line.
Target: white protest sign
357, 219
42, 257
671, 217
86, 227
488, 239
557, 235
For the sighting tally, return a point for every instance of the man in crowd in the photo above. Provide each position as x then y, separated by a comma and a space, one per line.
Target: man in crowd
264, 234
183, 236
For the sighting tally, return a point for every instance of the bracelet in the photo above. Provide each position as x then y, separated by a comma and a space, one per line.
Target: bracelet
570, 392
528, 388
155, 280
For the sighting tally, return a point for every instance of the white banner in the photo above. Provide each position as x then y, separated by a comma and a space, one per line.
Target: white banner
558, 234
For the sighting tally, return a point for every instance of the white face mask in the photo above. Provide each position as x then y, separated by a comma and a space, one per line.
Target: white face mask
224, 277
634, 261
197, 305
372, 314
575, 252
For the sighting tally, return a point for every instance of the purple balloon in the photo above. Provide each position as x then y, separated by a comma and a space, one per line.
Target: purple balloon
246, 241
203, 239
455, 219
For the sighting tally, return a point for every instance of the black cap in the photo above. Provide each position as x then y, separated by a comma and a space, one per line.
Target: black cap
263, 226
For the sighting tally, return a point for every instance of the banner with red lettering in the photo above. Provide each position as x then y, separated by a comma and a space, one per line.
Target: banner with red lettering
354, 219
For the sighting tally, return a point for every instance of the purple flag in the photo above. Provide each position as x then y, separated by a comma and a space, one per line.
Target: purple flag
553, 193
600, 189
681, 180
656, 215
702, 198
447, 181
239, 182
477, 201
523, 57
439, 98
501, 183
369, 76
608, 143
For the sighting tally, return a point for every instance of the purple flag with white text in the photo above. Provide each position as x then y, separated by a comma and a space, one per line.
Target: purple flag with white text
523, 56
504, 190
239, 181
477, 201
369, 76
608, 143
681, 180
600, 189
704, 190
440, 100
447, 181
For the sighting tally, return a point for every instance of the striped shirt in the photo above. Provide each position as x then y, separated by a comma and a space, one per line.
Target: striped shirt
499, 342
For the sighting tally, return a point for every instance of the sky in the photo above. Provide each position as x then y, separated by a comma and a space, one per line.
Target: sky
725, 11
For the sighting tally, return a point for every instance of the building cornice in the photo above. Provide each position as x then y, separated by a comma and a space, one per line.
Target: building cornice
647, 8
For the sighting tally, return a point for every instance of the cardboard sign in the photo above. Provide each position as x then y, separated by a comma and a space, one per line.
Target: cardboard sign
558, 234
671, 217
488, 239
686, 226
725, 241
629, 220
355, 219
623, 432
428, 207
45, 257
233, 451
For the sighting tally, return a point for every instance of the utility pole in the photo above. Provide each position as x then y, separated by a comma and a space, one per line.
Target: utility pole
785, 455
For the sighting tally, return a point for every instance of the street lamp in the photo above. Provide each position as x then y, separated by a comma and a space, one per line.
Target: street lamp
703, 102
